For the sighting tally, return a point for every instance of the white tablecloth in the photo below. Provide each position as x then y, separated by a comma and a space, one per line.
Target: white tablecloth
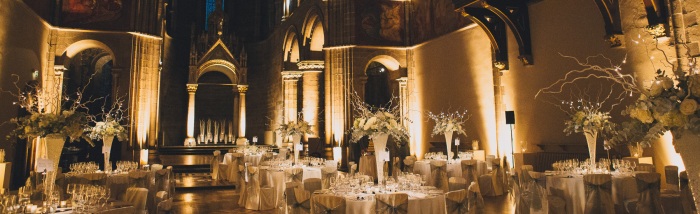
454, 169
435, 204
252, 159
274, 177
623, 188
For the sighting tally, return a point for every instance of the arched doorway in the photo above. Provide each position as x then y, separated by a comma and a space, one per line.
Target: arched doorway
214, 109
377, 90
89, 75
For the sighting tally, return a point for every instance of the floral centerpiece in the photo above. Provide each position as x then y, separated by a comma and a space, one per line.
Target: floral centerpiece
109, 127
589, 120
378, 124
295, 129
448, 124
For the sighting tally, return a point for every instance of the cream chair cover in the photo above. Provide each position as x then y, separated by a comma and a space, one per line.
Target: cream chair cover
457, 183
312, 184
557, 204
396, 168
156, 167
645, 167
408, 163
648, 186
138, 178
538, 199
214, 167
525, 177
242, 181
297, 203
686, 194
598, 194
368, 165
353, 168
438, 172
327, 204
497, 177
294, 174
257, 197
392, 203
137, 197
237, 159
98, 179
118, 184
283, 153
476, 201
457, 202
326, 174
468, 168
163, 201
522, 202
672, 180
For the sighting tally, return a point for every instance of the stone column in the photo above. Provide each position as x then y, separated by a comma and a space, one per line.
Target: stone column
310, 103
242, 89
190, 141
290, 80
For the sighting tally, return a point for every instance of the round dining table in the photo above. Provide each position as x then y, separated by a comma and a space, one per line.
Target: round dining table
417, 203
275, 177
571, 188
454, 168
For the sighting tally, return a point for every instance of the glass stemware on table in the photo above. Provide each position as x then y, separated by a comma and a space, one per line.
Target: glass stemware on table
362, 187
603, 166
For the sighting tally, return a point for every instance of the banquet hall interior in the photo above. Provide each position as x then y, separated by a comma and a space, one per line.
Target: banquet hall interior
349, 106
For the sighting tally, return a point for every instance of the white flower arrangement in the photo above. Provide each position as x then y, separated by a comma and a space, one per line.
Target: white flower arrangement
111, 123
299, 127
451, 122
379, 122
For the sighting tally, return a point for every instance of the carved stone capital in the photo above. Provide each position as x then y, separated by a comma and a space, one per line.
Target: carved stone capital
291, 75
403, 81
192, 88
242, 88
311, 65
59, 69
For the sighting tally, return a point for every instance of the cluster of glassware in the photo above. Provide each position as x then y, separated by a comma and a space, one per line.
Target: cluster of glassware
312, 161
126, 166
278, 163
87, 198
576, 167
361, 187
623, 166
84, 167
435, 156
21, 203
465, 155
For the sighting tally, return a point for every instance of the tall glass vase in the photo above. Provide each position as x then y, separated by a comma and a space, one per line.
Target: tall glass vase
296, 139
54, 148
379, 141
591, 136
106, 149
448, 142
687, 147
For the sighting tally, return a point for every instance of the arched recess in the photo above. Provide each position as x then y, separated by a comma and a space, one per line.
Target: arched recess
223, 66
291, 45
313, 29
380, 87
72, 50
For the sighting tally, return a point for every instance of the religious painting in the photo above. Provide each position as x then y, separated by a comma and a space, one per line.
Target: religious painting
381, 22
434, 18
90, 11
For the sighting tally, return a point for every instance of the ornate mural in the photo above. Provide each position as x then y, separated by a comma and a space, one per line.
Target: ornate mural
381, 22
90, 11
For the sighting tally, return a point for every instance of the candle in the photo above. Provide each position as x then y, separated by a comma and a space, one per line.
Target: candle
144, 157
255, 139
457, 142
337, 154
388, 154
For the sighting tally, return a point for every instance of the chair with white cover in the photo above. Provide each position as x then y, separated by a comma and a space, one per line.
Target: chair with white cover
556, 202
396, 203
598, 194
489, 160
408, 163
156, 166
522, 201
645, 167
242, 181
352, 169
648, 187
214, 166
672, 180
237, 159
438, 175
258, 197
163, 202
138, 178
476, 201
328, 173
312, 184
298, 199
329, 204
686, 195
468, 170
457, 202
457, 183
538, 199
497, 177
525, 174
283, 153
294, 174
137, 197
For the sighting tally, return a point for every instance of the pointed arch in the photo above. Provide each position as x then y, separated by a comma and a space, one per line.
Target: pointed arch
291, 45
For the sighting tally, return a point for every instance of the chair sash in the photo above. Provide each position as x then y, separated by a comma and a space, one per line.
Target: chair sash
522, 204
392, 203
457, 202
301, 199
396, 168
294, 174
162, 180
327, 204
138, 178
598, 194
497, 177
326, 174
312, 184
476, 201
214, 167
648, 186
163, 202
686, 194
538, 198
438, 170
254, 195
468, 168
525, 178
237, 159
353, 169
457, 183
242, 177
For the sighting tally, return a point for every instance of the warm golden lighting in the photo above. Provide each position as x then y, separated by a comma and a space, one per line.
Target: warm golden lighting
143, 157
666, 154
337, 154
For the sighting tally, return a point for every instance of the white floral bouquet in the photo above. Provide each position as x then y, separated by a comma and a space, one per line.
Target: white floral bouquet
379, 122
299, 127
451, 122
589, 118
107, 128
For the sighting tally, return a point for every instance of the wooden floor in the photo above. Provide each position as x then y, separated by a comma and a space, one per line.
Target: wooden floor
225, 201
